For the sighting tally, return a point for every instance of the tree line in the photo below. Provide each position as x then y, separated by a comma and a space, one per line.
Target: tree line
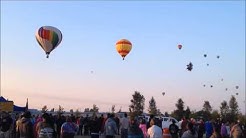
229, 111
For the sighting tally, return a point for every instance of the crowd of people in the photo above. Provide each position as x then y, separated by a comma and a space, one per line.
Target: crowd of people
25, 125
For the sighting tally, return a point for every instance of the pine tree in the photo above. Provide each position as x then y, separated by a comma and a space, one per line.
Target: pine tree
152, 107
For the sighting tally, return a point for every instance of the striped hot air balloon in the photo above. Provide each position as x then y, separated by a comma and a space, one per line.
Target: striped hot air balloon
48, 38
123, 47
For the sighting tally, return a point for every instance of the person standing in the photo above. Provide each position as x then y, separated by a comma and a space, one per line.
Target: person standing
190, 132
143, 127
154, 131
174, 129
45, 128
236, 131
25, 128
6, 124
68, 128
124, 122
110, 127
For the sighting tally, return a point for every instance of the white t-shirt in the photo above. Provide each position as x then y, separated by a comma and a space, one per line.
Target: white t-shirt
124, 123
154, 132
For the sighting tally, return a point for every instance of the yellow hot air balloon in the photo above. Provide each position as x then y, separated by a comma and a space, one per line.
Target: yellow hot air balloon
123, 47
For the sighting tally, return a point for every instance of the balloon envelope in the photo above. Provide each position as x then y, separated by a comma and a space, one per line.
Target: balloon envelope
179, 46
123, 47
48, 38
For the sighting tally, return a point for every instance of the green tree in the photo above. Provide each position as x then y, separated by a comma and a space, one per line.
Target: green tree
224, 110
179, 113
187, 112
215, 114
234, 111
119, 110
52, 110
95, 110
207, 107
166, 114
77, 113
137, 104
113, 108
207, 110
159, 112
44, 109
60, 110
71, 111
87, 110
152, 106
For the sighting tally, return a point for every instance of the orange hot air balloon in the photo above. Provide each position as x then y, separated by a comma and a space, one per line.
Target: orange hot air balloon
179, 46
123, 47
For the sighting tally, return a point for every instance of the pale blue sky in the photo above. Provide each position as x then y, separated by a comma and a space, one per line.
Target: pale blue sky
90, 31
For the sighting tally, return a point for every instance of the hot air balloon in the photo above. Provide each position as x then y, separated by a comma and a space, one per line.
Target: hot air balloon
48, 38
179, 46
207, 64
211, 86
236, 93
218, 56
205, 55
189, 66
123, 47
163, 93
204, 85
226, 89
237, 87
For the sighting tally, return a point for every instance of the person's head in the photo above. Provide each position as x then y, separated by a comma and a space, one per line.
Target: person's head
152, 122
125, 115
173, 121
142, 121
27, 114
46, 117
190, 126
112, 115
68, 119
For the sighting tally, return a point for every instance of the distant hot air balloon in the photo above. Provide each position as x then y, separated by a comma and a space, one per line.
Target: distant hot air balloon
207, 64
205, 55
218, 56
163, 93
226, 89
222, 79
189, 66
236, 93
48, 38
211, 86
179, 46
204, 85
123, 47
237, 87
